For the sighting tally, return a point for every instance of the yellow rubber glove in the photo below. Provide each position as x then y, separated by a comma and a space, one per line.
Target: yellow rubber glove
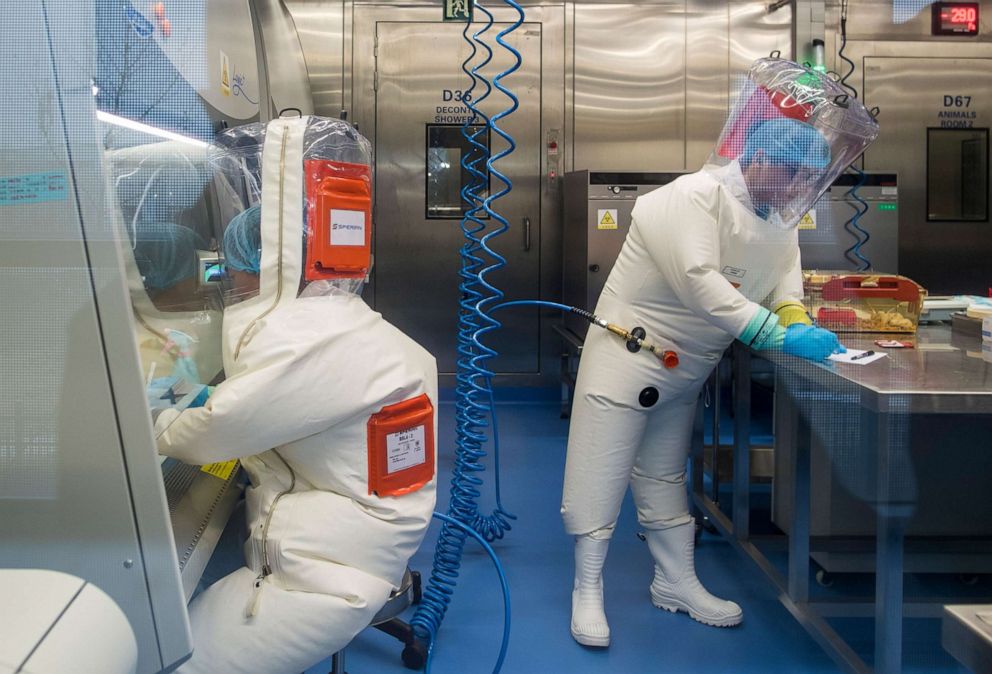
791, 312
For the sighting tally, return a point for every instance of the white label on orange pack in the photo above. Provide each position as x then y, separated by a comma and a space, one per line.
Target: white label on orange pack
405, 449
347, 228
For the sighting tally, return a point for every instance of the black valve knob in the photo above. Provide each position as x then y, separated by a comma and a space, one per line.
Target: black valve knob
632, 344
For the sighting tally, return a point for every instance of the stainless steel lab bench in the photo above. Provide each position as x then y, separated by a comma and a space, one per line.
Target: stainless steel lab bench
944, 375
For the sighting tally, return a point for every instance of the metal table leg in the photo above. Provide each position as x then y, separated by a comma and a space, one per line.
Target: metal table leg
742, 442
799, 533
889, 537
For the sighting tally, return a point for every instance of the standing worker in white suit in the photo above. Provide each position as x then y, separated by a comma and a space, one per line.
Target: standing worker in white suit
330, 409
711, 257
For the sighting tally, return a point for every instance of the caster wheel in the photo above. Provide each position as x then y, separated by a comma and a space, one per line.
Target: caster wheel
415, 655
968, 579
824, 579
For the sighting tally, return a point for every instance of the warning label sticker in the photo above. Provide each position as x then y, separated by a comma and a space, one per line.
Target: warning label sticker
225, 74
222, 470
607, 218
347, 228
808, 221
405, 449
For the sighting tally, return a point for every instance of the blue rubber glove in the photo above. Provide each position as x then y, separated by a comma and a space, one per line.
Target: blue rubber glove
809, 342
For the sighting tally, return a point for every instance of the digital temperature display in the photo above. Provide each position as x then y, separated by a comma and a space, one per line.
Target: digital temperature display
955, 18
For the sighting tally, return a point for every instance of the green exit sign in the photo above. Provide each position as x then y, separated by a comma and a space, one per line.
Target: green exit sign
886, 207
458, 10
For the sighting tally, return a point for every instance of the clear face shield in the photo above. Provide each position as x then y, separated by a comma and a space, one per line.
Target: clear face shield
791, 132
332, 243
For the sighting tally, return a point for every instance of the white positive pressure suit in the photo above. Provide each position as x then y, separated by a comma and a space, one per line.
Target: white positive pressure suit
689, 244
702, 264
304, 376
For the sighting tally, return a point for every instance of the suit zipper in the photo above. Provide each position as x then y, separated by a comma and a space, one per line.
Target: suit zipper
256, 596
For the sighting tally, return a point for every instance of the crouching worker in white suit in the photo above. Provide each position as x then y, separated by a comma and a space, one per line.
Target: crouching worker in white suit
330, 409
711, 257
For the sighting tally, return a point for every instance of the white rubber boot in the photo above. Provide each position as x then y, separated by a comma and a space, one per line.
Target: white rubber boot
675, 586
589, 626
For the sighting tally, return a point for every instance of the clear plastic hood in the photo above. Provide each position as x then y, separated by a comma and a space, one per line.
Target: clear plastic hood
791, 132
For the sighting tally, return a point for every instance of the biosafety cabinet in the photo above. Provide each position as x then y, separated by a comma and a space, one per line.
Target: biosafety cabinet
101, 182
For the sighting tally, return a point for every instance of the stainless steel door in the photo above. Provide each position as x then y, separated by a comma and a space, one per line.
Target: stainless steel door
418, 90
945, 255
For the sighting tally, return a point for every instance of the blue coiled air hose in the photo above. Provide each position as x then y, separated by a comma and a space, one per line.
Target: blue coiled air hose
474, 400
468, 531
860, 206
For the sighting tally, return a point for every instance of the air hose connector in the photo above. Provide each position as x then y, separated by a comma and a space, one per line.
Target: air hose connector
636, 341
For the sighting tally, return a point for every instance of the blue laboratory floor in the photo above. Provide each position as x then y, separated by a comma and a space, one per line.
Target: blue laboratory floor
537, 557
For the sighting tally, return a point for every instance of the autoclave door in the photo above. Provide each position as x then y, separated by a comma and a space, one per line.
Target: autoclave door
419, 96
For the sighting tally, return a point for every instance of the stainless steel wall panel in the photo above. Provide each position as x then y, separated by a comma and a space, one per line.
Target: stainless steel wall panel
418, 257
535, 196
554, 63
900, 20
936, 254
756, 32
707, 79
286, 68
807, 26
630, 86
569, 62
945, 257
320, 26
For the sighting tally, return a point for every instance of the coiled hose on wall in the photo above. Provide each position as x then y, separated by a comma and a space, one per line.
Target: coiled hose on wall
860, 206
475, 415
475, 412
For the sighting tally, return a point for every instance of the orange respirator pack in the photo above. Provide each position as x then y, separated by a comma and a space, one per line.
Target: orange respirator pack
339, 220
401, 447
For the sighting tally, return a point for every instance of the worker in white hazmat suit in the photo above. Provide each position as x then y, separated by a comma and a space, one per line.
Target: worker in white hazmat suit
711, 257
330, 409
